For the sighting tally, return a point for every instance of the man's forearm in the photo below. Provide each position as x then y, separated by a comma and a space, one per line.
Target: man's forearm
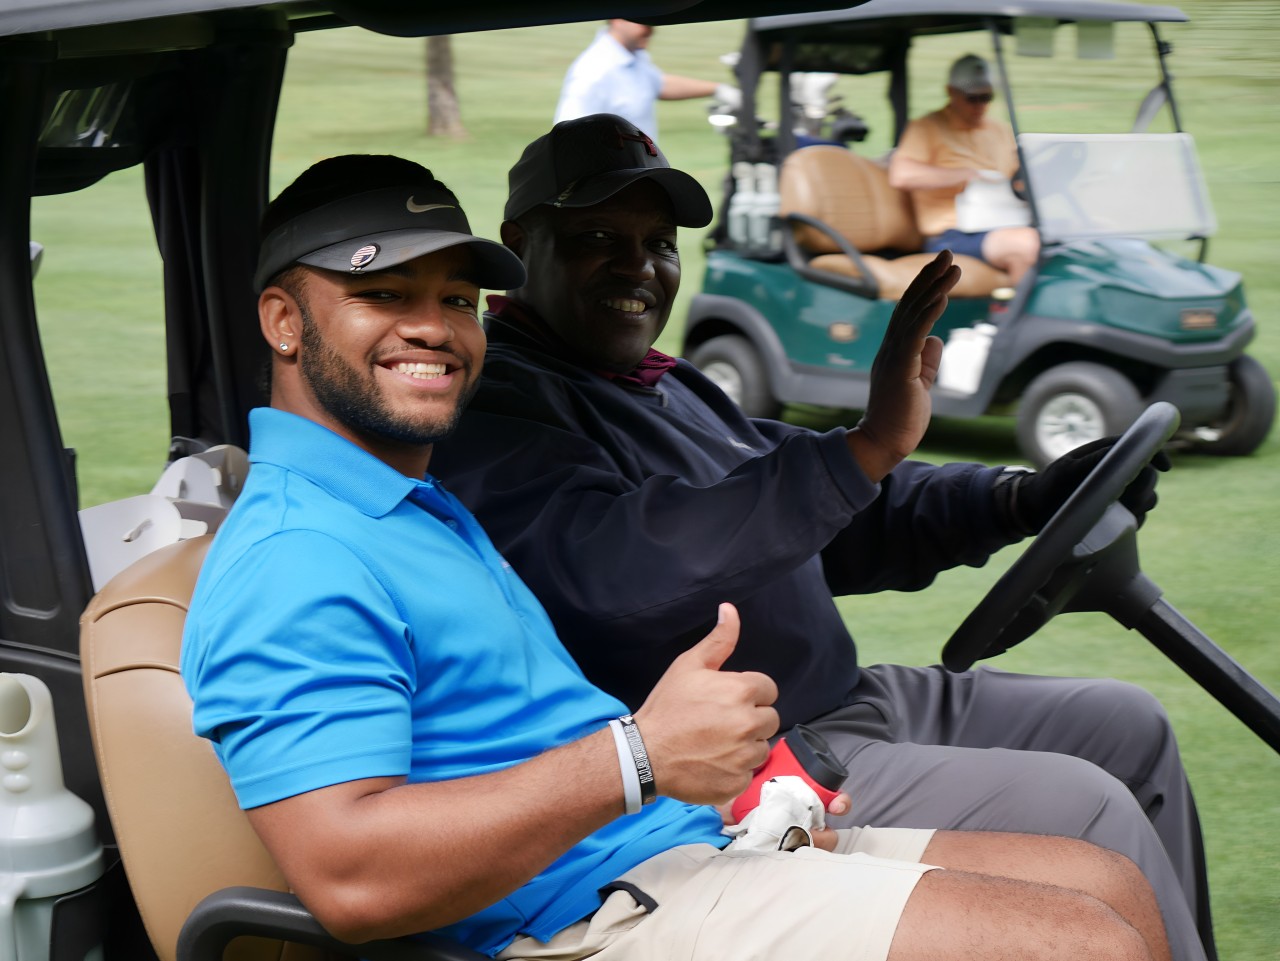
380, 858
675, 87
908, 174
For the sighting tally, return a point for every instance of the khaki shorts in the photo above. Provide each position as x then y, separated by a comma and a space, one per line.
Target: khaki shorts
697, 902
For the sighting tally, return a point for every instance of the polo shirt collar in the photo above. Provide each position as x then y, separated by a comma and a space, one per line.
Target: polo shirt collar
329, 461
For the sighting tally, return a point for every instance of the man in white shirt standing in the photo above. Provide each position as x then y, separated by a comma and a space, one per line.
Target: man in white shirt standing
616, 75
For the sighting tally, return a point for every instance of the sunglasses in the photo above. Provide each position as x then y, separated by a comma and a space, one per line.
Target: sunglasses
979, 97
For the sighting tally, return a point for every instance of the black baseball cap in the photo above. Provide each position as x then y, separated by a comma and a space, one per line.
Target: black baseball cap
582, 162
369, 230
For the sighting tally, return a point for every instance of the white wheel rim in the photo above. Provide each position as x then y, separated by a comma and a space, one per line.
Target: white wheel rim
725, 376
1066, 422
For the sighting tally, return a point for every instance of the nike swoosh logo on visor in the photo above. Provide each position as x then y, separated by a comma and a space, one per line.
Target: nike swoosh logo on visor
423, 208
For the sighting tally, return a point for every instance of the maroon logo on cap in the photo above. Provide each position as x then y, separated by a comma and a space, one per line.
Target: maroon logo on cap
637, 137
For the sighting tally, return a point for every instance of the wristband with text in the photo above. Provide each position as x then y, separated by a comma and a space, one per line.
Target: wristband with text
639, 758
627, 767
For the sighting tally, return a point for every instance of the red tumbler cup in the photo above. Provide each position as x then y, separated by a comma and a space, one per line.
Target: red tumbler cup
803, 752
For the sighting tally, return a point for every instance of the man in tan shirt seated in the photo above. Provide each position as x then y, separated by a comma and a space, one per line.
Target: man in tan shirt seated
943, 152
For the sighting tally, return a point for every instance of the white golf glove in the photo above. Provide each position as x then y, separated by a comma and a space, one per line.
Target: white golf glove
728, 95
785, 819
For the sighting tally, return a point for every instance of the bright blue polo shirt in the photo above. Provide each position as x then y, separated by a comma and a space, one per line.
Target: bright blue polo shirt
351, 622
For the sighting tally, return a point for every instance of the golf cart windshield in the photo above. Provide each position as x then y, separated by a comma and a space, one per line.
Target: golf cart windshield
1089, 186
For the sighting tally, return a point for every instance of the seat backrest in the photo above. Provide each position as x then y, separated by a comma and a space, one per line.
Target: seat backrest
181, 834
850, 194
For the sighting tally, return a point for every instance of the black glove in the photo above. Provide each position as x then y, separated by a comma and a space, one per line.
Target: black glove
1026, 501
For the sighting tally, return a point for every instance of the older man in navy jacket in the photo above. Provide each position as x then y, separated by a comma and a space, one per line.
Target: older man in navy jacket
631, 494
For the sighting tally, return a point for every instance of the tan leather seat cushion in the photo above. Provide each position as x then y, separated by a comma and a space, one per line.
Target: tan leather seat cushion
851, 194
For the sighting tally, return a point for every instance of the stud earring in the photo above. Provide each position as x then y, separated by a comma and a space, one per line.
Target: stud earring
285, 348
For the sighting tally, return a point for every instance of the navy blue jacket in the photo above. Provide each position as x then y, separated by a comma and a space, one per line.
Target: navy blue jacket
633, 511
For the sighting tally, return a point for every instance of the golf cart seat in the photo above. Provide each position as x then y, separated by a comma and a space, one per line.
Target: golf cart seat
199, 874
851, 228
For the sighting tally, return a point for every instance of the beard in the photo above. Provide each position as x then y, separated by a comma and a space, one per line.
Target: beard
353, 398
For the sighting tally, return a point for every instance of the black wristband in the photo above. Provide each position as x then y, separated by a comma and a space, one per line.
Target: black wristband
648, 787
1005, 492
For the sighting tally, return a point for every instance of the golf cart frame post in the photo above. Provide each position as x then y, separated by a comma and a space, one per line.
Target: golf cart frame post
203, 165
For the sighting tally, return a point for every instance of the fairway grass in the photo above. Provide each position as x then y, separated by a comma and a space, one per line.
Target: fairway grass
1213, 544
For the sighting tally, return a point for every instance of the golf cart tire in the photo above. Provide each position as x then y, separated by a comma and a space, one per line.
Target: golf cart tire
1072, 404
1251, 410
733, 365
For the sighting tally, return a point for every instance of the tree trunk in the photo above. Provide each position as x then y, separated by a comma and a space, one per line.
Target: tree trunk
444, 114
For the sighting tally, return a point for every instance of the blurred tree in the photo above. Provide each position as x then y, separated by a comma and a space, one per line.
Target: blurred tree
444, 114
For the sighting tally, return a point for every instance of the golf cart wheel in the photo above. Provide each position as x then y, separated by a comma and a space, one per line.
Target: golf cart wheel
1072, 404
1251, 410
732, 364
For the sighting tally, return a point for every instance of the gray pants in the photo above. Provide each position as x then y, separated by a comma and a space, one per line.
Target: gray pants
992, 751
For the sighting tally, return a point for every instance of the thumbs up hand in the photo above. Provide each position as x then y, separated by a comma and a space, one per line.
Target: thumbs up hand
706, 729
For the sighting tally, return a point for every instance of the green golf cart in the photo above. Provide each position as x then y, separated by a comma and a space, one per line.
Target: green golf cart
814, 246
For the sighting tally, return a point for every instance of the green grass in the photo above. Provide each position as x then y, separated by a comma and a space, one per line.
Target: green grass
1213, 544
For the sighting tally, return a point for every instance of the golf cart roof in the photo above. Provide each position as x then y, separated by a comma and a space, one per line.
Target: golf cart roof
876, 37
957, 16
405, 18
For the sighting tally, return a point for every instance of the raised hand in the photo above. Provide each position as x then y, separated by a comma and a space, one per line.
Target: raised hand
899, 406
707, 729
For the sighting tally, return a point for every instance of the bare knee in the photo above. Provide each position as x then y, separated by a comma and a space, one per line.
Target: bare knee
1102, 931
1115, 878
1024, 244
1055, 861
966, 917
1013, 249
1046, 859
1119, 883
1059, 863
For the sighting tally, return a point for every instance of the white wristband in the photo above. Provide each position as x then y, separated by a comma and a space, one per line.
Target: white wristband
627, 767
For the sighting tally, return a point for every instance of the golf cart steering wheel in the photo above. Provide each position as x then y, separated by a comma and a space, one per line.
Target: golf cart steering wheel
1019, 603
